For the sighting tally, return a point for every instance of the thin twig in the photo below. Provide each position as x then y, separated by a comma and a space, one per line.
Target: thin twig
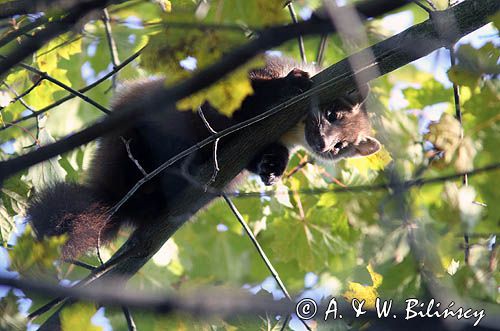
261, 252
28, 91
216, 146
59, 45
428, 10
53, 29
82, 90
36, 141
96, 274
57, 82
43, 309
416, 182
301, 165
131, 157
458, 115
431, 4
98, 245
14, 34
321, 50
285, 322
193, 25
111, 44
300, 39
81, 264
129, 319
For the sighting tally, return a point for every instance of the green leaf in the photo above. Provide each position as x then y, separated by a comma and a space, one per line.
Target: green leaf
474, 63
429, 93
77, 317
13, 195
10, 317
445, 135
35, 259
47, 172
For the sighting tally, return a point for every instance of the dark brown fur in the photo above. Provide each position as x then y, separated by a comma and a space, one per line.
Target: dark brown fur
80, 210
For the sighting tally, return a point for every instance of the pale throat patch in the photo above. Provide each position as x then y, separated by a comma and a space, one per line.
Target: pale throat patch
295, 138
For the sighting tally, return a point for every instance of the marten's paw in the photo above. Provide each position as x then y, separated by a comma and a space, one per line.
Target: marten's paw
299, 80
270, 171
271, 167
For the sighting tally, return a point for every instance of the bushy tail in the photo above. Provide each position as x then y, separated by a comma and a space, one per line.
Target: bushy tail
72, 209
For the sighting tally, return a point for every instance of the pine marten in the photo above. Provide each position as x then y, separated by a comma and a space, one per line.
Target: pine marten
329, 132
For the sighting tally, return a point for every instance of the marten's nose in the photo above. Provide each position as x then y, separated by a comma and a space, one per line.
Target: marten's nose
320, 145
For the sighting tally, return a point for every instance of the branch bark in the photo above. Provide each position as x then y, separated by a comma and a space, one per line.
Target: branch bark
235, 154
234, 302
23, 7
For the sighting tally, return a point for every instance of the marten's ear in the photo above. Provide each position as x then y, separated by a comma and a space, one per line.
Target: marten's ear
367, 146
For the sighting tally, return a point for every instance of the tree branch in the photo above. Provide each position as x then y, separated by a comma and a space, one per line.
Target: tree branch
417, 182
115, 61
234, 302
262, 254
15, 33
57, 82
23, 7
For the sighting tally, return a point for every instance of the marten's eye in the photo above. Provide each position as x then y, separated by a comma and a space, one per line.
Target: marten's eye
333, 116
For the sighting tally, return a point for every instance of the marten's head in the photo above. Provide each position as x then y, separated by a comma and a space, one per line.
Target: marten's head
340, 130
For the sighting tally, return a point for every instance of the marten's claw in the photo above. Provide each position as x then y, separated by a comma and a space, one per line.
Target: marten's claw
269, 179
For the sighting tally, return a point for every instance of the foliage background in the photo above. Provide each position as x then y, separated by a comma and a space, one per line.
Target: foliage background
320, 243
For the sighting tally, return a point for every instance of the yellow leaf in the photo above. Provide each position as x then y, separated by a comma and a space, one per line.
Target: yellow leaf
165, 5
376, 277
169, 51
365, 292
377, 161
226, 95
360, 292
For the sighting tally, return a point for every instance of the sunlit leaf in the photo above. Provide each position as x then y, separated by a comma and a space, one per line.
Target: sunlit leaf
77, 317
368, 293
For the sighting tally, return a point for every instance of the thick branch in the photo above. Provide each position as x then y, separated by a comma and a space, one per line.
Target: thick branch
16, 33
23, 7
232, 303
